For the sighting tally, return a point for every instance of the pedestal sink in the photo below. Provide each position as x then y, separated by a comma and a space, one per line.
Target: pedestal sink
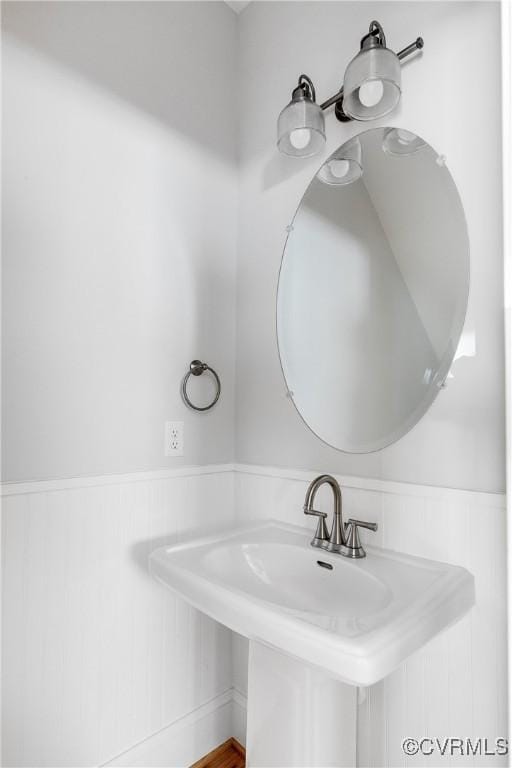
319, 625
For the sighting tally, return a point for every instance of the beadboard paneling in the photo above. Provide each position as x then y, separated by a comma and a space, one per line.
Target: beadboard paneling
455, 686
96, 655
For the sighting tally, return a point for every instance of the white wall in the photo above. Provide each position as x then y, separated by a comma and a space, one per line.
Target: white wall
119, 245
119, 232
460, 442
119, 228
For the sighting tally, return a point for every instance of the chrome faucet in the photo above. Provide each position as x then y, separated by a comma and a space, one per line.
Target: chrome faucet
343, 539
322, 539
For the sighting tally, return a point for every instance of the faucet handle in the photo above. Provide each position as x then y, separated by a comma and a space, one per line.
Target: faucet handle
321, 537
352, 540
363, 524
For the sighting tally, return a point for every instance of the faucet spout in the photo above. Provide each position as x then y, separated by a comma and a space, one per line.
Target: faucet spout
335, 541
343, 539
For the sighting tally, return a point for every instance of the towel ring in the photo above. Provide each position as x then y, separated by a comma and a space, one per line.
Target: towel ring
197, 368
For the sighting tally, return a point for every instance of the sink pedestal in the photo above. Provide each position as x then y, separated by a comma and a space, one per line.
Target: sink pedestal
297, 715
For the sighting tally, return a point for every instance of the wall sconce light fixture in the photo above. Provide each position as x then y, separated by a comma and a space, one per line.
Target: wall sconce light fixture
301, 124
371, 89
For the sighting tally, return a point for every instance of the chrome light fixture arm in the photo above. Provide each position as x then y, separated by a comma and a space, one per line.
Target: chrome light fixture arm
305, 89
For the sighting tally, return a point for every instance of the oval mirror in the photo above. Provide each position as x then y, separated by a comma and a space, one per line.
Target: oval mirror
373, 290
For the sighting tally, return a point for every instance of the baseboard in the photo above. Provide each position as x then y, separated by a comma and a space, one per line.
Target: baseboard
239, 716
186, 740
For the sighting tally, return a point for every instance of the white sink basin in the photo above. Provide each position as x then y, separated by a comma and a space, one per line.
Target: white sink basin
356, 622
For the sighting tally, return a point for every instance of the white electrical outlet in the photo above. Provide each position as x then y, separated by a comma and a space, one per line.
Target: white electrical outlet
174, 438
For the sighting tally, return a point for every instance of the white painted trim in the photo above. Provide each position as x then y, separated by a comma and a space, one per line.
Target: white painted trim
182, 742
506, 86
70, 483
497, 500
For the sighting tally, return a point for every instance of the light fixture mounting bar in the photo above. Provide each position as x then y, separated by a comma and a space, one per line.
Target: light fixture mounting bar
412, 48
417, 45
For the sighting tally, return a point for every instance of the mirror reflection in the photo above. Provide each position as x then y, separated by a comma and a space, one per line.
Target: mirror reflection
373, 290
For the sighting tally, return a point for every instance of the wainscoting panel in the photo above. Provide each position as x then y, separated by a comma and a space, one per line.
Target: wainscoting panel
97, 656
456, 686
102, 664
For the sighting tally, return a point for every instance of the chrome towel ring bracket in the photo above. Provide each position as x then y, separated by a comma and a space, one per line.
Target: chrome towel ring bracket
197, 368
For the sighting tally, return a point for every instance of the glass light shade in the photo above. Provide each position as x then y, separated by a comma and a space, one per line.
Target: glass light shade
372, 83
344, 167
401, 143
301, 128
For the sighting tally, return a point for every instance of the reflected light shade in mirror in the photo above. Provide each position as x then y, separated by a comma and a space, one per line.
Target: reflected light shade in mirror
301, 128
372, 84
399, 142
344, 167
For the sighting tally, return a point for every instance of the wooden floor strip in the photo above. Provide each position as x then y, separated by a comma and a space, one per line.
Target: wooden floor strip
231, 754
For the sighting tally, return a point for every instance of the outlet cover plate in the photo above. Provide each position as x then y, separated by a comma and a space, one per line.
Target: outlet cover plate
174, 438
